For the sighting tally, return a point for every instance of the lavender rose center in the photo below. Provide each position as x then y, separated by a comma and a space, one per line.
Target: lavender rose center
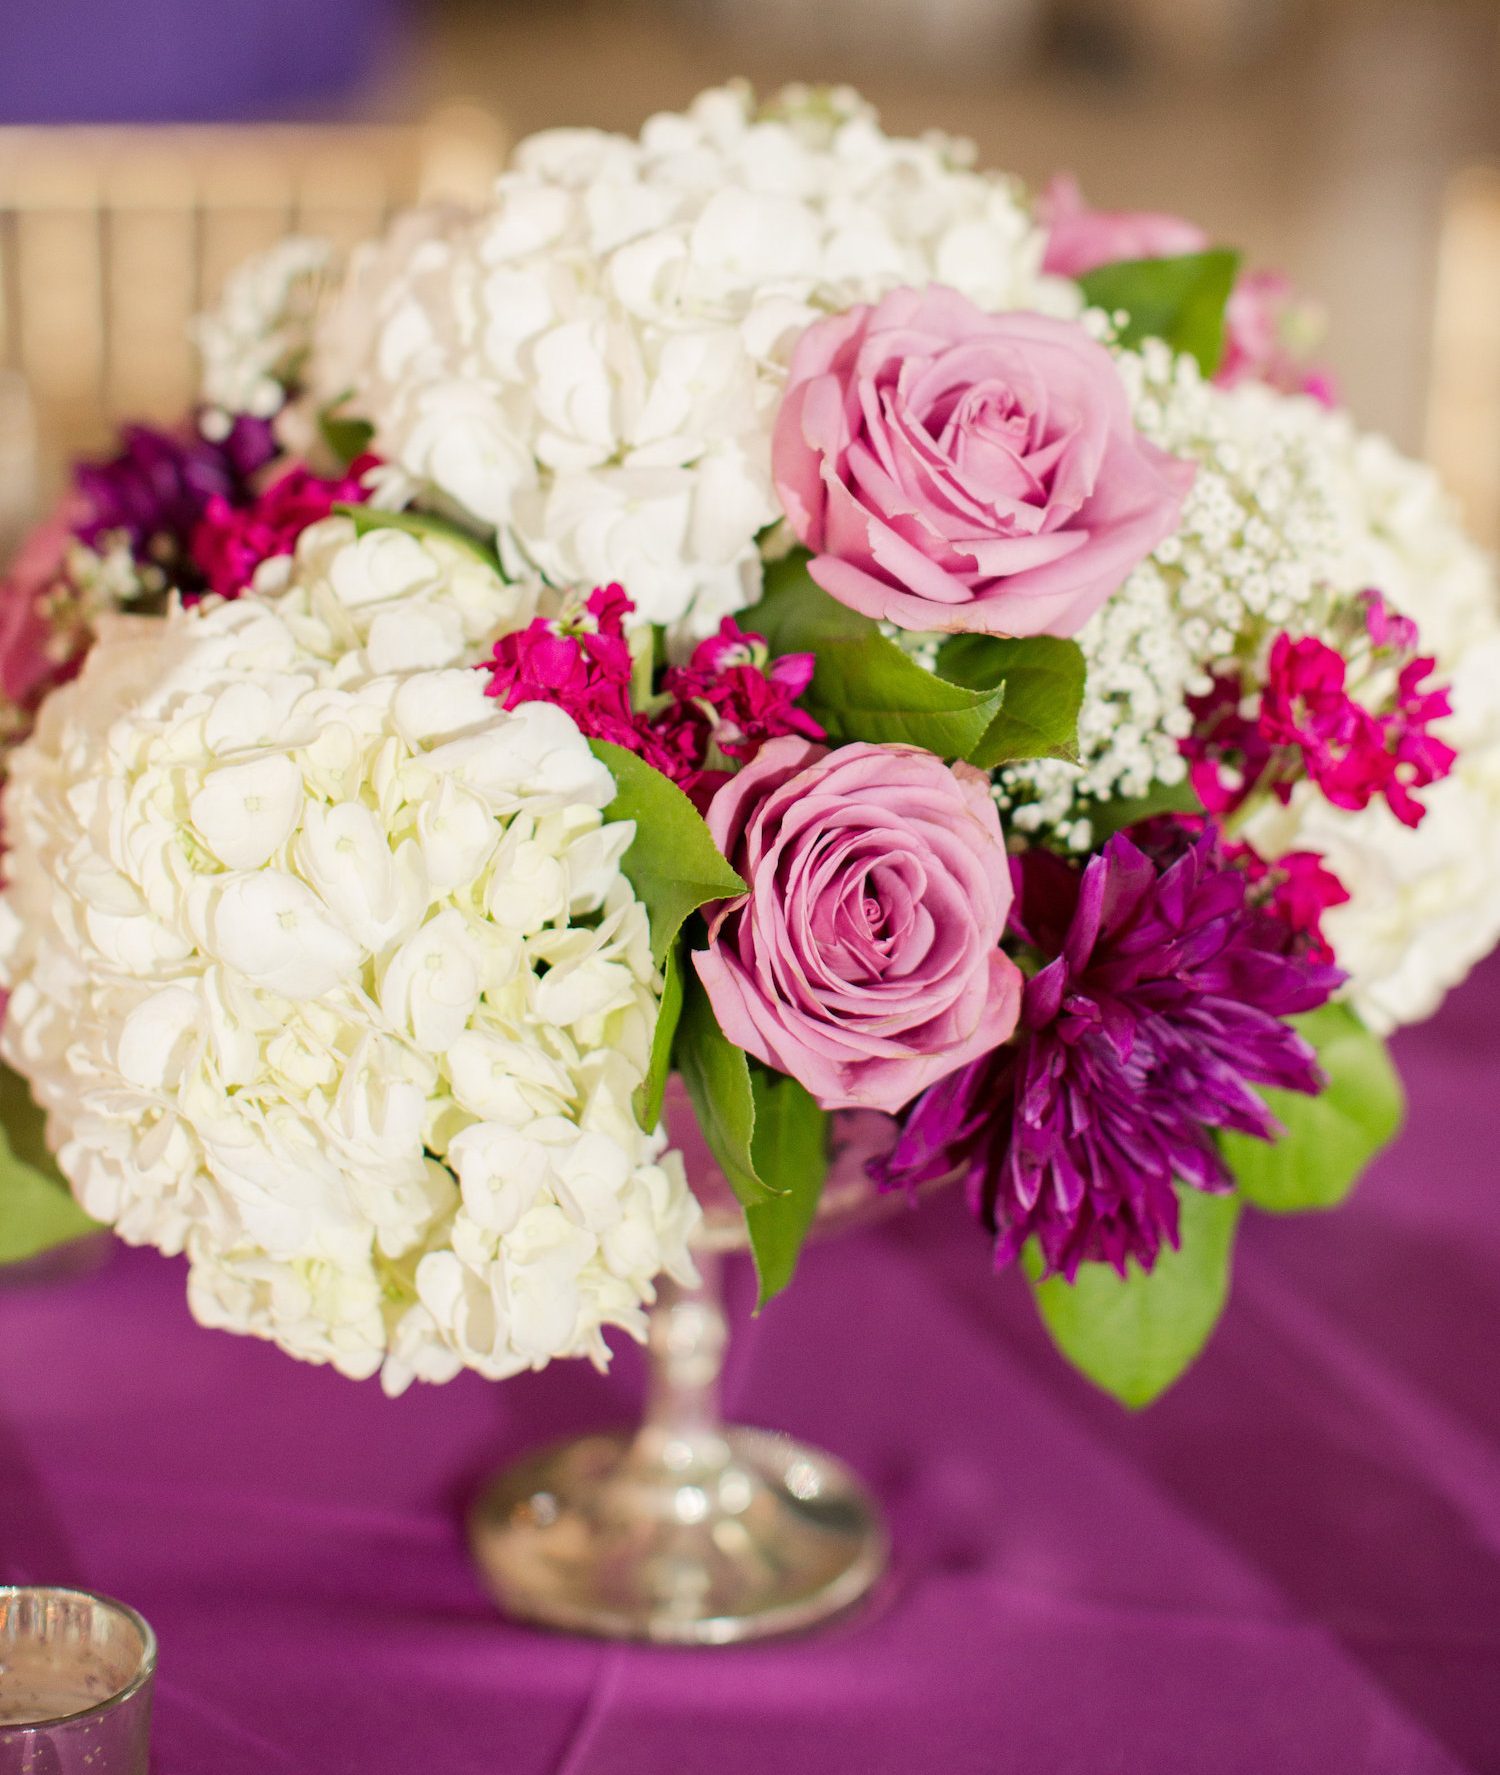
992, 448
862, 907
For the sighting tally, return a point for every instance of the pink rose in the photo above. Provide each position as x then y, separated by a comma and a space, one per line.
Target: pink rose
1267, 330
957, 470
1080, 239
865, 958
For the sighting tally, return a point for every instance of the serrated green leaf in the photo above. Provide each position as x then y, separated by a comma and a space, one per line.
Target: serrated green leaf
865, 687
425, 526
673, 863
1135, 1335
789, 1146
652, 1089
1330, 1138
717, 1076
1041, 681
36, 1209
1179, 300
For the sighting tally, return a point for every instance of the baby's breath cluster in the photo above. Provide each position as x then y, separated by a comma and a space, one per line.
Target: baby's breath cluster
1260, 536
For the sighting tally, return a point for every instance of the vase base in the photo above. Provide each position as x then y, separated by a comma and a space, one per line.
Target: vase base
602, 1536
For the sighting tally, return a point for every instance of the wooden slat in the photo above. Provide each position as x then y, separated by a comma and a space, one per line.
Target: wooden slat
18, 461
1463, 428
111, 239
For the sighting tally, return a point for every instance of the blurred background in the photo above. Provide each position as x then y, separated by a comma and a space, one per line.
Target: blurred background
148, 144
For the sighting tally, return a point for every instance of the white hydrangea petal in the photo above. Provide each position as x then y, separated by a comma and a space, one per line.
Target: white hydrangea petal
273, 929
246, 812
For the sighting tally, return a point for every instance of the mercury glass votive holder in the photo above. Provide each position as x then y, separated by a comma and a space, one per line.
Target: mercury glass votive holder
75, 1684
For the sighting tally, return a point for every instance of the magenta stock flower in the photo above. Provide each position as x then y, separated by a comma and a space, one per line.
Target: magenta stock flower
231, 541
1356, 743
1297, 888
1305, 707
1226, 753
729, 698
582, 664
864, 960
1355, 755
957, 470
739, 696
1158, 1007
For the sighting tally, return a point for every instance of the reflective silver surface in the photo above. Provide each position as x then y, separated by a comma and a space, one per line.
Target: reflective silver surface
688, 1531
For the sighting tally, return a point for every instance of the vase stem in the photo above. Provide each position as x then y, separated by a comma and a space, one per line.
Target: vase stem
682, 1429
682, 1530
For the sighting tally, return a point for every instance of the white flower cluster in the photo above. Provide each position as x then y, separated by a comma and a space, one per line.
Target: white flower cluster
592, 364
252, 343
1261, 535
326, 973
1293, 508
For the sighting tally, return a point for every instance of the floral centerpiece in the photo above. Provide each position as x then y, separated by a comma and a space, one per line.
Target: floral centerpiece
765, 603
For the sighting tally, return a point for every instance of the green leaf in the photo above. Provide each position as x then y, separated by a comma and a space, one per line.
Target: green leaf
766, 1134
673, 863
652, 1089
1180, 300
789, 1145
717, 1076
347, 438
1109, 817
36, 1210
425, 526
1329, 1138
864, 686
1041, 680
1135, 1335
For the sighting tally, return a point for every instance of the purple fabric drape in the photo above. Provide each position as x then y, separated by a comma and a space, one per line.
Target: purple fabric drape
1291, 1565
187, 61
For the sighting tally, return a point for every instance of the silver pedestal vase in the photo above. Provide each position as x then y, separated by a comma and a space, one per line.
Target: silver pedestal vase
686, 1530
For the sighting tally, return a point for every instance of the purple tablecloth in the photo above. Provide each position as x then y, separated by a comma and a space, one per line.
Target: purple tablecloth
1290, 1565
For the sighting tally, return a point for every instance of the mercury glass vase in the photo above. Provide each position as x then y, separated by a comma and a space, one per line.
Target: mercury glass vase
687, 1530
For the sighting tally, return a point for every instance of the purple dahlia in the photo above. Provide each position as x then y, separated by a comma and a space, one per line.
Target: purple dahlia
1157, 1004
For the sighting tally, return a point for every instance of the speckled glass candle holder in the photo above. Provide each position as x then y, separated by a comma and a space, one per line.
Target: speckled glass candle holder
75, 1684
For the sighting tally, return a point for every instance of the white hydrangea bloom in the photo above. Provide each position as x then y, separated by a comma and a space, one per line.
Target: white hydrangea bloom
325, 971
592, 364
253, 341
